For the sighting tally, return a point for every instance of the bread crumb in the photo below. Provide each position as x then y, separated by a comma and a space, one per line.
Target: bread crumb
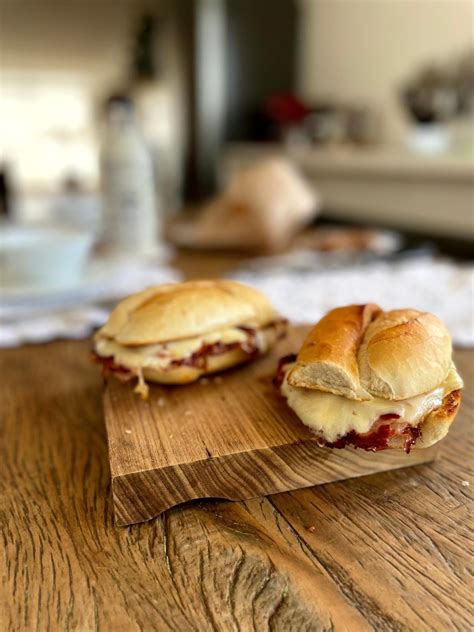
311, 528
128, 431
188, 412
161, 401
465, 483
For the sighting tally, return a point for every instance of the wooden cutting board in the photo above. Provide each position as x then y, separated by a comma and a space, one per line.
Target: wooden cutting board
230, 436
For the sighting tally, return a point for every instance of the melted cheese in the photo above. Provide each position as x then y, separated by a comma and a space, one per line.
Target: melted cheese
333, 416
160, 355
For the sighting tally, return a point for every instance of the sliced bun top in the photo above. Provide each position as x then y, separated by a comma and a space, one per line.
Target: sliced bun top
404, 353
182, 310
361, 352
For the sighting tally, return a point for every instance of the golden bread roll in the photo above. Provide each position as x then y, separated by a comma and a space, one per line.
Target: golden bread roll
175, 333
361, 352
374, 379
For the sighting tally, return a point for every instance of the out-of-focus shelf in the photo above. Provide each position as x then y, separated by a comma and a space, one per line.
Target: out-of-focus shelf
433, 195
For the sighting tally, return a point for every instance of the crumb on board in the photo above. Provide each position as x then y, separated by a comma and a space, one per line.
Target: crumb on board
128, 431
161, 401
311, 528
465, 483
188, 412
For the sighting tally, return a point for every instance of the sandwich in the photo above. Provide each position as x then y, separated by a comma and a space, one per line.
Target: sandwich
374, 379
176, 333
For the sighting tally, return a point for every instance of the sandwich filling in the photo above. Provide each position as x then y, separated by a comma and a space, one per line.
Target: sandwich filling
129, 361
371, 424
162, 355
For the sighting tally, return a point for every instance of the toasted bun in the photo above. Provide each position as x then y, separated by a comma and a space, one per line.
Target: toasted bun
328, 358
183, 310
404, 353
361, 352
435, 426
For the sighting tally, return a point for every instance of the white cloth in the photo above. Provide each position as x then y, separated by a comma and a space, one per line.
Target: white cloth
71, 323
74, 312
438, 286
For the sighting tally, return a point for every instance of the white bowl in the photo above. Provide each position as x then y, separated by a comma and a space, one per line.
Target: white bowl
44, 257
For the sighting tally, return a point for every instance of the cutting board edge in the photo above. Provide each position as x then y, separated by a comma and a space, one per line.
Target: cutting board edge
135, 498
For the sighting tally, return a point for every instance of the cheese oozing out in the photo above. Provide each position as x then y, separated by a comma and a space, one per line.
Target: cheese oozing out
334, 416
161, 355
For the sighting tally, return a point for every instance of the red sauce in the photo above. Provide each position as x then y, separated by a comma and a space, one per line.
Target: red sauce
109, 366
380, 438
413, 434
280, 372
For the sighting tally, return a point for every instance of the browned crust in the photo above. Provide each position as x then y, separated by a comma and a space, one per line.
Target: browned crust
436, 425
448, 409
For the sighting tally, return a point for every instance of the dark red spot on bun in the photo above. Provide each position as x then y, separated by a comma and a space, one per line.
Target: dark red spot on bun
280, 372
389, 416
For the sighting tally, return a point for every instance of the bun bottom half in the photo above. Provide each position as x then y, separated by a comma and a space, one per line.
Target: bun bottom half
431, 429
435, 426
185, 374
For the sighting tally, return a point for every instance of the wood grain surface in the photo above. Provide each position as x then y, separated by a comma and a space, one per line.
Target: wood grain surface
231, 436
384, 552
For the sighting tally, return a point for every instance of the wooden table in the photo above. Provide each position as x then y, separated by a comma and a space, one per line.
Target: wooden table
385, 552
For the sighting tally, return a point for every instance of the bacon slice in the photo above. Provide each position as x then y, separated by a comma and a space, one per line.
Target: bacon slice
380, 437
199, 357
109, 366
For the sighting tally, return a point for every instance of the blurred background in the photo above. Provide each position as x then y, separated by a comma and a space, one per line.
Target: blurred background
146, 140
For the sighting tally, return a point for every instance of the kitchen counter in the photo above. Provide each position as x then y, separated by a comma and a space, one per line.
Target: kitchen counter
384, 186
